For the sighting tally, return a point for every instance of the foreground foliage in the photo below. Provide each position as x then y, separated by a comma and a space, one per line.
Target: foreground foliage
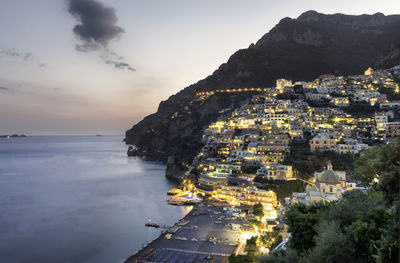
362, 227
270, 240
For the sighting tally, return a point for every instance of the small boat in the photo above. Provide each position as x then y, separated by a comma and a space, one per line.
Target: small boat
174, 191
151, 224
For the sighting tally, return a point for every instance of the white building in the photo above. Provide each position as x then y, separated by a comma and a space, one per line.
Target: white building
276, 171
329, 186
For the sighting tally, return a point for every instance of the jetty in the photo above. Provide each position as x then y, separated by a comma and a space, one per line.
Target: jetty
195, 238
151, 224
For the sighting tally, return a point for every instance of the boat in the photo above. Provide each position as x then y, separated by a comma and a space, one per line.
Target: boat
174, 191
213, 240
151, 224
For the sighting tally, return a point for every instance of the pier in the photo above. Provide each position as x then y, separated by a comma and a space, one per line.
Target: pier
194, 238
152, 224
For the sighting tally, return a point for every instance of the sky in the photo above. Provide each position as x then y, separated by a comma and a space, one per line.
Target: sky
100, 66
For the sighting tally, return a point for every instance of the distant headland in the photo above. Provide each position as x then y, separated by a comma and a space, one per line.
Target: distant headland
13, 136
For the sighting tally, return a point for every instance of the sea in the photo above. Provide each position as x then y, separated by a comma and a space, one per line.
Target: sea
78, 199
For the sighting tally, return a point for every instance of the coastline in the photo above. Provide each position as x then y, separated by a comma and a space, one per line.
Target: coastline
146, 155
207, 232
134, 257
173, 171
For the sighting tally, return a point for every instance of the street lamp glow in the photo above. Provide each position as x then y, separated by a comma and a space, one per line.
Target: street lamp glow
247, 235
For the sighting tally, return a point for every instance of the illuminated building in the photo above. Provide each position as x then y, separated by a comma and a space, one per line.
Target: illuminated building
395, 105
282, 83
322, 142
274, 171
246, 195
329, 186
369, 72
340, 101
393, 129
350, 146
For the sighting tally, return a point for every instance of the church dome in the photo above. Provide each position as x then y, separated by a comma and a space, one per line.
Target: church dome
329, 176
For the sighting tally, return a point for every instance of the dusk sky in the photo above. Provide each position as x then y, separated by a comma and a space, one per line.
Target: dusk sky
123, 57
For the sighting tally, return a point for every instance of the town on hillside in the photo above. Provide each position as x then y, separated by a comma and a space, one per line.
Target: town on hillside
290, 144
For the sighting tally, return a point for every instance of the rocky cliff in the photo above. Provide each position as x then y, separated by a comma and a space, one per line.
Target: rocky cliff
298, 49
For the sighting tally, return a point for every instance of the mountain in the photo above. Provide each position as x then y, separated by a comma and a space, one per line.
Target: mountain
298, 49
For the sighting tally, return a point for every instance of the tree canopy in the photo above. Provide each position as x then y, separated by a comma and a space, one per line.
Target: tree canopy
380, 166
258, 210
362, 227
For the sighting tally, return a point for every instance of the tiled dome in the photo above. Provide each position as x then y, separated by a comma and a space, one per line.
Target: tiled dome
329, 177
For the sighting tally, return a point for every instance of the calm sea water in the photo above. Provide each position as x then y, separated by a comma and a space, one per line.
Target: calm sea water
78, 199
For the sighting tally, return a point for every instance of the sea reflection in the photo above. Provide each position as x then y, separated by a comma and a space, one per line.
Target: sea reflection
78, 199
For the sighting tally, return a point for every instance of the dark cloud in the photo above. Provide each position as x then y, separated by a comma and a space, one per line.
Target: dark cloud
7, 88
96, 28
21, 55
27, 56
97, 22
119, 65
13, 52
112, 58
87, 47
4, 89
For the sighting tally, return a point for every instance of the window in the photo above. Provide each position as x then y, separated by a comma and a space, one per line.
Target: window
331, 189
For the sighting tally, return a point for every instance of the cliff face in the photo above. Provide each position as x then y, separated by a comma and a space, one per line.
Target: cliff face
296, 49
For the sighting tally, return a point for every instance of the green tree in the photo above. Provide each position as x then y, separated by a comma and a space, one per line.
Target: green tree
366, 231
301, 220
271, 239
332, 245
381, 166
388, 246
286, 256
252, 244
362, 227
255, 222
241, 259
258, 210
252, 252
354, 204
